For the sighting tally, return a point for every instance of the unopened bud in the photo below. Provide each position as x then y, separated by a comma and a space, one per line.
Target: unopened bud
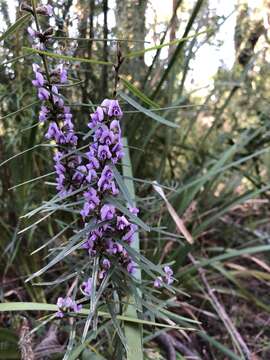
26, 7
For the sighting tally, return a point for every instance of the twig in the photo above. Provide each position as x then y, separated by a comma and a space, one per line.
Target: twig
222, 312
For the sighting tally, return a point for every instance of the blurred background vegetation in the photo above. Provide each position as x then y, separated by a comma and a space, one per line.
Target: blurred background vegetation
215, 166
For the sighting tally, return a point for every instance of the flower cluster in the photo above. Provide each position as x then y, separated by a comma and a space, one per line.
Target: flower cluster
106, 150
39, 38
167, 279
60, 128
92, 171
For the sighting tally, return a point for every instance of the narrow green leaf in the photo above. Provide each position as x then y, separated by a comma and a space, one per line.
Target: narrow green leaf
135, 91
66, 57
71, 246
147, 112
14, 27
133, 332
157, 47
122, 185
33, 306
20, 110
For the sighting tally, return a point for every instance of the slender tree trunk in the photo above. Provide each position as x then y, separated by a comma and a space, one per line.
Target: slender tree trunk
130, 22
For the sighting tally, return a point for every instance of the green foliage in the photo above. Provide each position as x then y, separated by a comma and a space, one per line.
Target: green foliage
210, 153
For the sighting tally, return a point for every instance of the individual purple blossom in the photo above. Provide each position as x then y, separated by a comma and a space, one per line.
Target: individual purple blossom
76, 307
158, 283
107, 212
92, 161
117, 152
129, 235
114, 247
167, 279
65, 304
87, 286
122, 222
61, 71
169, 275
104, 152
131, 267
39, 81
46, 10
33, 33
43, 94
91, 203
106, 135
133, 210
106, 264
80, 173
43, 114
112, 108
96, 117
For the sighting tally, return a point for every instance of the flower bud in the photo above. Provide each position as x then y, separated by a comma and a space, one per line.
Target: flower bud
26, 7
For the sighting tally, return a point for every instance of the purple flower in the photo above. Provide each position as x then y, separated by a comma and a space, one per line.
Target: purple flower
106, 136
131, 267
43, 114
46, 10
43, 94
39, 81
76, 307
122, 222
169, 275
65, 304
92, 161
158, 283
87, 286
62, 72
107, 212
104, 152
106, 264
132, 228
53, 131
59, 168
133, 210
106, 176
91, 174
112, 108
114, 248
117, 152
33, 33
80, 173
96, 117
59, 314
92, 201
